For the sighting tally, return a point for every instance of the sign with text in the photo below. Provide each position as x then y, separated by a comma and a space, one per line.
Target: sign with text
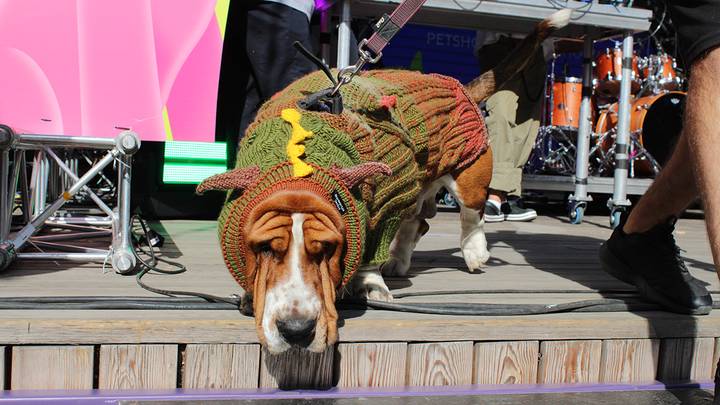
447, 51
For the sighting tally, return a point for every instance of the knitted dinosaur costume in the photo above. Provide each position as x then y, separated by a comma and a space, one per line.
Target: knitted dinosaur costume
421, 126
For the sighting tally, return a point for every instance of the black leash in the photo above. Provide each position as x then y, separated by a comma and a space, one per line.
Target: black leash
322, 100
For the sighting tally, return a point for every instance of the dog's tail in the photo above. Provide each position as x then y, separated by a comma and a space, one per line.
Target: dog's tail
484, 86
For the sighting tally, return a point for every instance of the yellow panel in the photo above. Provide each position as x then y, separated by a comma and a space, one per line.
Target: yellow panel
221, 13
166, 122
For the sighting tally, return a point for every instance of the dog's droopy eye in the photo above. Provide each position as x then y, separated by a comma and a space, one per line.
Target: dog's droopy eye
275, 246
264, 247
328, 248
321, 248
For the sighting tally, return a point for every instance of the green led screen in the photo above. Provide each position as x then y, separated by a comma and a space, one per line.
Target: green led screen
192, 162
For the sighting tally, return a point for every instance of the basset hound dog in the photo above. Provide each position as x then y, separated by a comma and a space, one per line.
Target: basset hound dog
324, 204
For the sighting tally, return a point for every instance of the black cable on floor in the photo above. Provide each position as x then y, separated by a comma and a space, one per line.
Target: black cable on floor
188, 300
444, 308
146, 267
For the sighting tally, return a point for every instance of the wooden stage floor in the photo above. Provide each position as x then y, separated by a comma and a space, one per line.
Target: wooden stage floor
547, 254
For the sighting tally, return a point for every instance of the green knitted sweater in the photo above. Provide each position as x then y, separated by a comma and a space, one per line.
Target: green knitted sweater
422, 126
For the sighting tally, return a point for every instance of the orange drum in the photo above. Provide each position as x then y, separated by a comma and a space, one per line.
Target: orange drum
566, 98
608, 73
660, 69
656, 122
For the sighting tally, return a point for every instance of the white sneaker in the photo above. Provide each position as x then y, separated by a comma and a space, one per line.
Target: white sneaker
518, 212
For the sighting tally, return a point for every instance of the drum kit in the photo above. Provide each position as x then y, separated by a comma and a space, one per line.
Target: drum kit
655, 118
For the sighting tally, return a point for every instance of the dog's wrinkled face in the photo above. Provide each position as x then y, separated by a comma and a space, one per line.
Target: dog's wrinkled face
295, 241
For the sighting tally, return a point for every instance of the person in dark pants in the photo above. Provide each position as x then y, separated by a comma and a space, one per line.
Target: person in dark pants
642, 250
259, 60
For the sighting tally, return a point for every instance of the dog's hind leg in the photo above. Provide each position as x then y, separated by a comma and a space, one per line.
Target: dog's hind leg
470, 188
410, 232
402, 246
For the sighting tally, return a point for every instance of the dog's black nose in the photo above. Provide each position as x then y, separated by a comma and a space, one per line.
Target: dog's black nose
297, 331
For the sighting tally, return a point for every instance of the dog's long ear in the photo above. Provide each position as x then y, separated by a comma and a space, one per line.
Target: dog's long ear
259, 291
236, 179
328, 286
354, 175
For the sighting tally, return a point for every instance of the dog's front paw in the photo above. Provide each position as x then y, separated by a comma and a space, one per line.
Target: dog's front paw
370, 285
474, 251
475, 259
395, 267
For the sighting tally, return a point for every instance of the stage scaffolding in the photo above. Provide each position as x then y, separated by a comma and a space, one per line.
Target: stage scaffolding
38, 194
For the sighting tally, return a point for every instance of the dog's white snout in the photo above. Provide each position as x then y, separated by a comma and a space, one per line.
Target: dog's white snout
292, 306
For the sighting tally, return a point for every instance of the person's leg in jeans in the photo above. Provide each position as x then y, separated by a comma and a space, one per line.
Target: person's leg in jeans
271, 31
272, 60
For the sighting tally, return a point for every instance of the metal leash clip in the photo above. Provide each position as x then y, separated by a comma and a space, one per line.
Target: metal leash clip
324, 100
346, 74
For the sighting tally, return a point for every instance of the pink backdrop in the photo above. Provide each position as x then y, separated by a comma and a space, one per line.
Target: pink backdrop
94, 67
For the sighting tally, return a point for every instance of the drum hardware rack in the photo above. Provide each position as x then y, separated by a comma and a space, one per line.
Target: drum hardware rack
605, 160
619, 148
54, 177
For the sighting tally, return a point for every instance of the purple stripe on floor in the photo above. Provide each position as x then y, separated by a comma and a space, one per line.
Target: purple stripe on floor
109, 397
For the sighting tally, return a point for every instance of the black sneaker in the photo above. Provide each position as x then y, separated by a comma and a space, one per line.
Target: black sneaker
651, 262
517, 212
493, 213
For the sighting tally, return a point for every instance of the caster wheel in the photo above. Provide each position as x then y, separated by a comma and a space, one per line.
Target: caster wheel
450, 201
576, 215
615, 218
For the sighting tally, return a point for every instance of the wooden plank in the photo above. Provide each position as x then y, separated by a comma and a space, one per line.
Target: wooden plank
138, 366
3, 354
569, 362
629, 360
506, 362
221, 366
370, 364
121, 327
716, 357
52, 368
296, 368
686, 359
446, 363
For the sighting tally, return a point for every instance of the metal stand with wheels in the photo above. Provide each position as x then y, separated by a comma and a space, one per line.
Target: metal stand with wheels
37, 214
619, 202
344, 36
577, 202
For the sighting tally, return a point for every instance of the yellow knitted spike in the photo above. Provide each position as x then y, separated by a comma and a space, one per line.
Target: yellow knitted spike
295, 149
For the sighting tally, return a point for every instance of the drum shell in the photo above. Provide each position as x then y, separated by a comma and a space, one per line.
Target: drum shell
657, 134
608, 72
566, 99
663, 71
